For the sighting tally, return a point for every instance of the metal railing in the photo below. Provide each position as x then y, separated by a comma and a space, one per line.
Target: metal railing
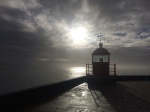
112, 69
89, 70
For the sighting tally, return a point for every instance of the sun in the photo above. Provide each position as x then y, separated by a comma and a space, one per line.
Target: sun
78, 34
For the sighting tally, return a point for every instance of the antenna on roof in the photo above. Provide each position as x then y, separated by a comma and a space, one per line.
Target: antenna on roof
100, 36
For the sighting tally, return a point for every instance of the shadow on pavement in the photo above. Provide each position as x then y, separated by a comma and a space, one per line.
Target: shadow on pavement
120, 98
25, 99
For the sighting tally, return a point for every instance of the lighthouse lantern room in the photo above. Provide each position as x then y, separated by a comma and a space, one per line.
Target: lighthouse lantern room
100, 61
100, 66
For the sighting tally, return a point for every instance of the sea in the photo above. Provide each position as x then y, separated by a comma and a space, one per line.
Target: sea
20, 76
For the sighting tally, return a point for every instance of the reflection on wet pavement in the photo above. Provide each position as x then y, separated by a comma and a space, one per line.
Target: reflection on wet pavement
79, 99
85, 98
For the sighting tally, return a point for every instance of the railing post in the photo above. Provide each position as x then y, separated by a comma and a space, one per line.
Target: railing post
86, 68
115, 69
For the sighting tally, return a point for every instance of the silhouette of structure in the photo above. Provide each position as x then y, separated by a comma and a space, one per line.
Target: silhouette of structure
101, 67
101, 70
100, 61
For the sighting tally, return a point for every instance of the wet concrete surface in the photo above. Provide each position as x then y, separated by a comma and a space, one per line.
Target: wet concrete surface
80, 95
24, 99
120, 97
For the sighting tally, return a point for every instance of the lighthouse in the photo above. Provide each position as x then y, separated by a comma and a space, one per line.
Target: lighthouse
101, 61
101, 67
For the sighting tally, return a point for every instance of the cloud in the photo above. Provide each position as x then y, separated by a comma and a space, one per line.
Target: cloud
120, 34
40, 28
20, 39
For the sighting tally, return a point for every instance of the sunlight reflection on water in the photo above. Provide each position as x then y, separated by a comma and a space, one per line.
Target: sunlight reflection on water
76, 72
24, 76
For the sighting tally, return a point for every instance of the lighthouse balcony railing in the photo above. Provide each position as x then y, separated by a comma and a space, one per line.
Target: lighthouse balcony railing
89, 69
112, 69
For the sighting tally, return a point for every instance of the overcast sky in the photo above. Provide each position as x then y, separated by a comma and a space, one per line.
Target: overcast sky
49, 30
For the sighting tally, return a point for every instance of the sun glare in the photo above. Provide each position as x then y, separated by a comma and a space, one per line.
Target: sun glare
78, 34
78, 69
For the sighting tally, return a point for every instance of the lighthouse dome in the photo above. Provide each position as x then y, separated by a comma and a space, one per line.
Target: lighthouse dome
101, 51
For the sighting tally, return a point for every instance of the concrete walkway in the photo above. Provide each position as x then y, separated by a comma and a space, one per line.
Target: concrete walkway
122, 97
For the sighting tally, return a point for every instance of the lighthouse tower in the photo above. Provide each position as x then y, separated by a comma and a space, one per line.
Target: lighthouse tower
101, 61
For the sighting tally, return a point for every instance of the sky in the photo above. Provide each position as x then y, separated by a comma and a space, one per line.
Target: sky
65, 31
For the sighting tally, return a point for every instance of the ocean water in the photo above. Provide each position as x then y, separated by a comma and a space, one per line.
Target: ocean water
20, 76
14, 77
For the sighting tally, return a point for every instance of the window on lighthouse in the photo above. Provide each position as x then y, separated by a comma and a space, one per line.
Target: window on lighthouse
100, 58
